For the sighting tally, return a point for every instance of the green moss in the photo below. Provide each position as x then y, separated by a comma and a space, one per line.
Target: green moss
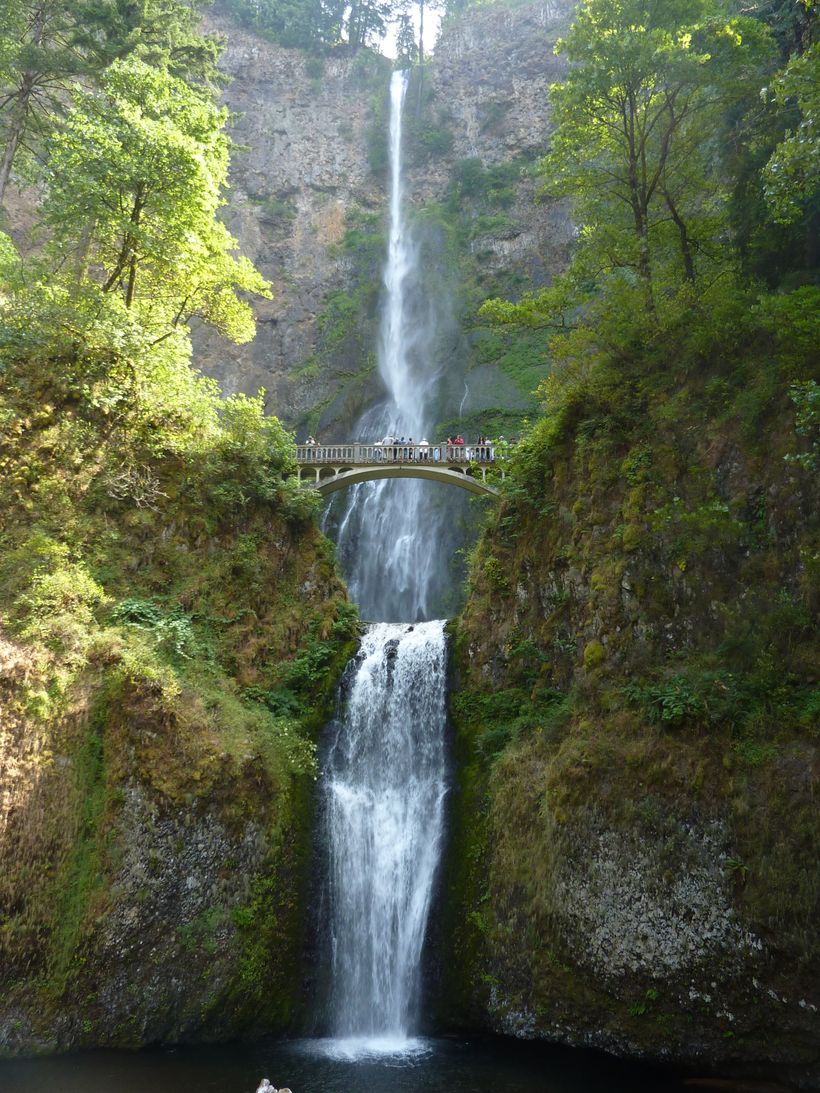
594, 655
663, 557
80, 877
631, 537
492, 186
155, 612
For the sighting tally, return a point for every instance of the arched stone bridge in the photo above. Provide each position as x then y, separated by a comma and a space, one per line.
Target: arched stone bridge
331, 467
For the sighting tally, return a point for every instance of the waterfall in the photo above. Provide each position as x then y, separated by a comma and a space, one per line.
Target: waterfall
384, 803
390, 536
384, 772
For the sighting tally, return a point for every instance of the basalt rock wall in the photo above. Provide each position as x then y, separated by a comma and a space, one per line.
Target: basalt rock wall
308, 201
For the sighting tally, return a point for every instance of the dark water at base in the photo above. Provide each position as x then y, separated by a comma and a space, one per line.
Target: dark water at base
436, 1066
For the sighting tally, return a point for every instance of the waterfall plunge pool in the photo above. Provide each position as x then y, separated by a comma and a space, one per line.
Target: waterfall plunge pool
312, 1066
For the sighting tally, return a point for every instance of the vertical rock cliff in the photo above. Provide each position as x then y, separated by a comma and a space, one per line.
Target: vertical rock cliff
634, 857
308, 206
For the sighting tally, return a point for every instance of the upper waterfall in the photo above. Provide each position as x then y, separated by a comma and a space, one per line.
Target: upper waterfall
392, 536
396, 335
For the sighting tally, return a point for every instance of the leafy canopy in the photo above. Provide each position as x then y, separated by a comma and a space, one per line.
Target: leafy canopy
135, 181
46, 44
792, 175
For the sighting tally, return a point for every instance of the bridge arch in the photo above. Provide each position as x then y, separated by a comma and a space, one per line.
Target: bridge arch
350, 476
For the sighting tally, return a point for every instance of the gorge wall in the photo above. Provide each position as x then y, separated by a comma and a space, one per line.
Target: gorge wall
634, 856
308, 206
172, 625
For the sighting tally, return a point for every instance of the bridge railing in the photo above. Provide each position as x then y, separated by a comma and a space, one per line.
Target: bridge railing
396, 453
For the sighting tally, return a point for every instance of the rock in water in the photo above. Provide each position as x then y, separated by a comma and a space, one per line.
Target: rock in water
266, 1087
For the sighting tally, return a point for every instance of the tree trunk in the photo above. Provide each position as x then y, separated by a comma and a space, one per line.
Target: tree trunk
127, 257
132, 282
640, 216
638, 193
81, 257
645, 265
18, 127
22, 105
685, 248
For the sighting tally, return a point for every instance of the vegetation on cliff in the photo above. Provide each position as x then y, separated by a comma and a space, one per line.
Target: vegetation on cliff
171, 620
320, 25
637, 712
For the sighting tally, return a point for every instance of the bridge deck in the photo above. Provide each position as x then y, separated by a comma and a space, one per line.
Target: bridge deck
458, 454
335, 466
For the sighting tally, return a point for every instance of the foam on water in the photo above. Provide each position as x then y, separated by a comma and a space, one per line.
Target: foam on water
396, 1051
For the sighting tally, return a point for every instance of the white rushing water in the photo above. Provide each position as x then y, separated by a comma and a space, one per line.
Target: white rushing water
384, 774
389, 538
384, 791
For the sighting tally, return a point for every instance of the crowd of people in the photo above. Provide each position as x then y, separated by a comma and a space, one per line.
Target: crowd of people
454, 449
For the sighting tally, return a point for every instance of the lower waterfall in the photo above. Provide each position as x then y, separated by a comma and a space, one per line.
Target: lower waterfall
384, 786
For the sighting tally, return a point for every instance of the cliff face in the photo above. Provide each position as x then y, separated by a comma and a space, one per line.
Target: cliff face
160, 629
490, 79
300, 179
171, 630
155, 843
308, 206
132, 844
633, 863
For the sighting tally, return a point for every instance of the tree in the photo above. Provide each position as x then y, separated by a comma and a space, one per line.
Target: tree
36, 62
407, 51
792, 174
45, 44
647, 85
302, 24
367, 20
793, 22
166, 34
135, 182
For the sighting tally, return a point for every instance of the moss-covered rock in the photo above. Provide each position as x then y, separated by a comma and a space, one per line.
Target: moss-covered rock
633, 862
171, 630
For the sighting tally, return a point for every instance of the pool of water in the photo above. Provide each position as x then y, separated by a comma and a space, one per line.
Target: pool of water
317, 1066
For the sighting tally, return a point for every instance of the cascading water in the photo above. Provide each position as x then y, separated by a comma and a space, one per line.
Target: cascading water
384, 794
384, 772
390, 537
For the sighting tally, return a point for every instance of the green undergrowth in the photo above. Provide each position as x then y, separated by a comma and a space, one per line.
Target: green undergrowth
637, 656
171, 619
347, 328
